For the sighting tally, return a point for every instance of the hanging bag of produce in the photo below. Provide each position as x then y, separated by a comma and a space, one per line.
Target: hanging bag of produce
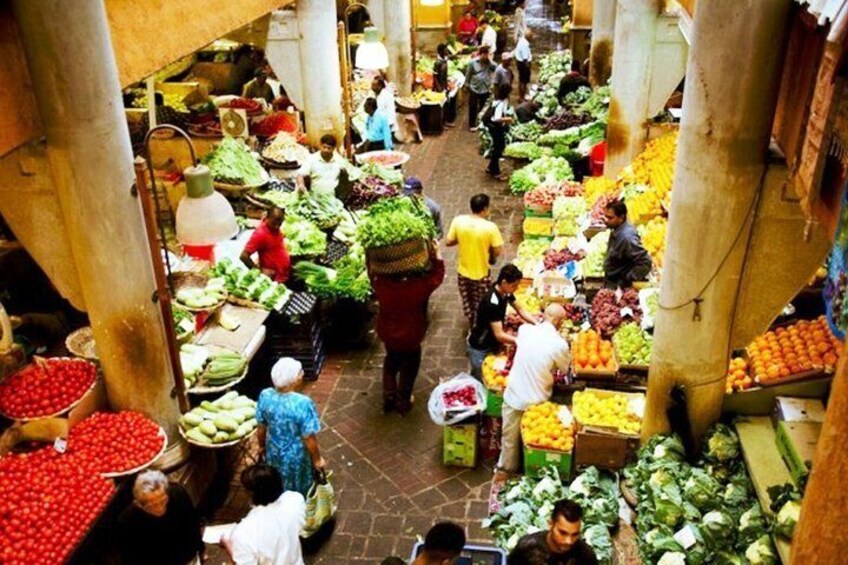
457, 399
321, 504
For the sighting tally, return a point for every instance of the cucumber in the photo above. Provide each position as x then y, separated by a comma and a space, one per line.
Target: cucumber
242, 401
208, 428
196, 435
191, 420
226, 424
206, 405
237, 415
230, 396
221, 437
244, 429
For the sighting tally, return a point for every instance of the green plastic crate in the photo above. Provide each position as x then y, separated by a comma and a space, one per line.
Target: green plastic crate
460, 445
535, 459
528, 213
494, 402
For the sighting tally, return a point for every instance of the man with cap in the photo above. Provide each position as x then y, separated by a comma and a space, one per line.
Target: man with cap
288, 427
414, 189
503, 72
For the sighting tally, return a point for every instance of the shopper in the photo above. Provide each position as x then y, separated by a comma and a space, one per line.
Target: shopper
489, 38
442, 544
523, 58
270, 533
503, 72
501, 116
402, 325
378, 133
488, 335
288, 427
467, 27
440, 84
322, 171
519, 20
626, 260
259, 87
385, 97
560, 544
269, 243
572, 81
413, 188
478, 80
161, 525
539, 350
480, 244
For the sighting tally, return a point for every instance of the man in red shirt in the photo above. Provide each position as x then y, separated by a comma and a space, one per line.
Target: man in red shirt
268, 241
467, 28
401, 325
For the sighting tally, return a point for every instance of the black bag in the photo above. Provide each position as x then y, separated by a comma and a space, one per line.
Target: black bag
487, 114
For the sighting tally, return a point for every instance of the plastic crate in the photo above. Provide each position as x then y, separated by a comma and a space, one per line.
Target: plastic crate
471, 555
535, 459
494, 403
460, 445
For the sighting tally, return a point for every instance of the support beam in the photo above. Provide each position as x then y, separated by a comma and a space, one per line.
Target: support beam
603, 35
719, 175
72, 64
397, 28
319, 61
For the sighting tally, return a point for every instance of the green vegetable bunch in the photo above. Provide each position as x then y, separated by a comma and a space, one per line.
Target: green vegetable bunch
346, 279
304, 238
541, 171
529, 131
525, 150
231, 162
395, 220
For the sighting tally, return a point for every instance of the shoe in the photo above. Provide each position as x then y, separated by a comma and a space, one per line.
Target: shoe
388, 405
404, 408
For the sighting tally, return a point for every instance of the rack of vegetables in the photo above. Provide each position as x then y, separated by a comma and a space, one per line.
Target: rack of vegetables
541, 171
251, 285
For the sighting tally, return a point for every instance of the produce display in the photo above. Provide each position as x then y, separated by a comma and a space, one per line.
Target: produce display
389, 159
552, 68
183, 322
324, 211
568, 211
304, 238
525, 150
201, 298
347, 278
737, 376
228, 419
595, 187
232, 162
528, 300
285, 148
566, 119
605, 408
46, 387
171, 99
541, 171
390, 176
593, 264
275, 123
394, 220
496, 371
251, 106
526, 504
369, 190
538, 227
632, 345
541, 199
792, 350
529, 131
575, 315
580, 138
597, 213
543, 426
554, 259
251, 284
210, 367
532, 248
608, 311
713, 499
459, 397
113, 443
653, 238
590, 353
653, 168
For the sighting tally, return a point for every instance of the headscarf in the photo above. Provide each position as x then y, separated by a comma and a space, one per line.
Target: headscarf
285, 372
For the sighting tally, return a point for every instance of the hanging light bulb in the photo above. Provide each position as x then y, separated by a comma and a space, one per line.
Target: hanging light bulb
371, 55
204, 217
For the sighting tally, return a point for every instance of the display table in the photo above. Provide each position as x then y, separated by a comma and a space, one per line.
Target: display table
247, 339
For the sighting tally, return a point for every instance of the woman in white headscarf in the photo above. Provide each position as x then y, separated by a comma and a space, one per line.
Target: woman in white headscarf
288, 424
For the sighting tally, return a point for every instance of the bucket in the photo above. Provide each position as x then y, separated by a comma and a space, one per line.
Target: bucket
597, 156
202, 252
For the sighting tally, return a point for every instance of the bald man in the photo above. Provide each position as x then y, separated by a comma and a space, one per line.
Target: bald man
539, 350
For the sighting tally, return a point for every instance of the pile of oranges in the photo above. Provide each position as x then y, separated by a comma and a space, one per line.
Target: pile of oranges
495, 372
737, 376
591, 353
791, 350
541, 427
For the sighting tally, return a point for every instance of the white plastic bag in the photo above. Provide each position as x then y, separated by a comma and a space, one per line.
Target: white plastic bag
443, 415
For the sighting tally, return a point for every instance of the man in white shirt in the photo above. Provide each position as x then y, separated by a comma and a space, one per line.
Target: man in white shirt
270, 533
385, 101
519, 20
523, 56
320, 173
539, 349
490, 38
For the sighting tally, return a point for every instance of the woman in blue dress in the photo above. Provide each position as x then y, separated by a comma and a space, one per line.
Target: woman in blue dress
288, 424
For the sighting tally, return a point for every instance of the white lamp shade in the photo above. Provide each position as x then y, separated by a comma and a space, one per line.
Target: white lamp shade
206, 220
431, 2
371, 55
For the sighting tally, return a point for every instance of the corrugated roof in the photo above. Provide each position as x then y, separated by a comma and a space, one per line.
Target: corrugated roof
833, 12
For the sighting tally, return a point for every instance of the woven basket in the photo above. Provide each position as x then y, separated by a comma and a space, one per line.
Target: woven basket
410, 256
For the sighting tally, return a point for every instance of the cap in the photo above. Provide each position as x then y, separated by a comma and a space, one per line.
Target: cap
412, 185
506, 55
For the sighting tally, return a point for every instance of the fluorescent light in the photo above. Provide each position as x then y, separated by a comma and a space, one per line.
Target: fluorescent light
204, 217
371, 54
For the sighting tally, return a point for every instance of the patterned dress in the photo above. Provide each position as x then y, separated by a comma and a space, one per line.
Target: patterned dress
288, 417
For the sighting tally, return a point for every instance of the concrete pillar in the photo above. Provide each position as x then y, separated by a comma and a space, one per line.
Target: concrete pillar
319, 62
721, 158
627, 132
74, 75
603, 34
397, 22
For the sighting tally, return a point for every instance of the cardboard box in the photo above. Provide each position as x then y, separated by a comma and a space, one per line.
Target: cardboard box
791, 409
490, 437
796, 442
604, 448
535, 459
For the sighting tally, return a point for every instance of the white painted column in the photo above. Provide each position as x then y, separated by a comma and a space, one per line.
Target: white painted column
721, 157
603, 35
627, 132
319, 62
75, 78
397, 22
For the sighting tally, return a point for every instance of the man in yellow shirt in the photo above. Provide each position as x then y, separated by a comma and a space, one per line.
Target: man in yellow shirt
480, 245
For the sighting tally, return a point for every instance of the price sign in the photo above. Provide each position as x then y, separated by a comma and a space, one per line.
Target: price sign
60, 445
626, 311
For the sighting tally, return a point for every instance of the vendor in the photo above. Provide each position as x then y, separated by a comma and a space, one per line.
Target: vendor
572, 81
385, 97
626, 260
268, 241
259, 87
467, 27
488, 334
321, 172
378, 133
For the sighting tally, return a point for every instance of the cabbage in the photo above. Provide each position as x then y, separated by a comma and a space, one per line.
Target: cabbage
727, 558
752, 524
722, 444
672, 558
701, 490
761, 552
787, 518
717, 529
598, 538
657, 542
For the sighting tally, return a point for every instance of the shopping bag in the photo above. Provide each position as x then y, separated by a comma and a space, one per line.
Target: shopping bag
444, 415
320, 504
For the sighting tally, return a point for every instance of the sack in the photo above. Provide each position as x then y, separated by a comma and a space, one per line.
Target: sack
321, 505
447, 416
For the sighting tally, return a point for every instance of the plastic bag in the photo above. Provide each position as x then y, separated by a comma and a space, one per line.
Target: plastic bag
320, 505
443, 415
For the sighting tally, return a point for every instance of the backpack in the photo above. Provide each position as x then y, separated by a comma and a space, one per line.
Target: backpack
487, 114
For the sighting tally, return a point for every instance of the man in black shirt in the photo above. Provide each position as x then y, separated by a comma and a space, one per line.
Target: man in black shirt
487, 335
626, 260
161, 526
560, 545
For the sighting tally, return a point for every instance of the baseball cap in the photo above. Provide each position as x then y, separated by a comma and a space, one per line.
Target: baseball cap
412, 185
506, 55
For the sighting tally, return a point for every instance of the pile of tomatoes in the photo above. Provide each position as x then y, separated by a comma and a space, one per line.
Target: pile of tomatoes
47, 504
114, 442
46, 387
